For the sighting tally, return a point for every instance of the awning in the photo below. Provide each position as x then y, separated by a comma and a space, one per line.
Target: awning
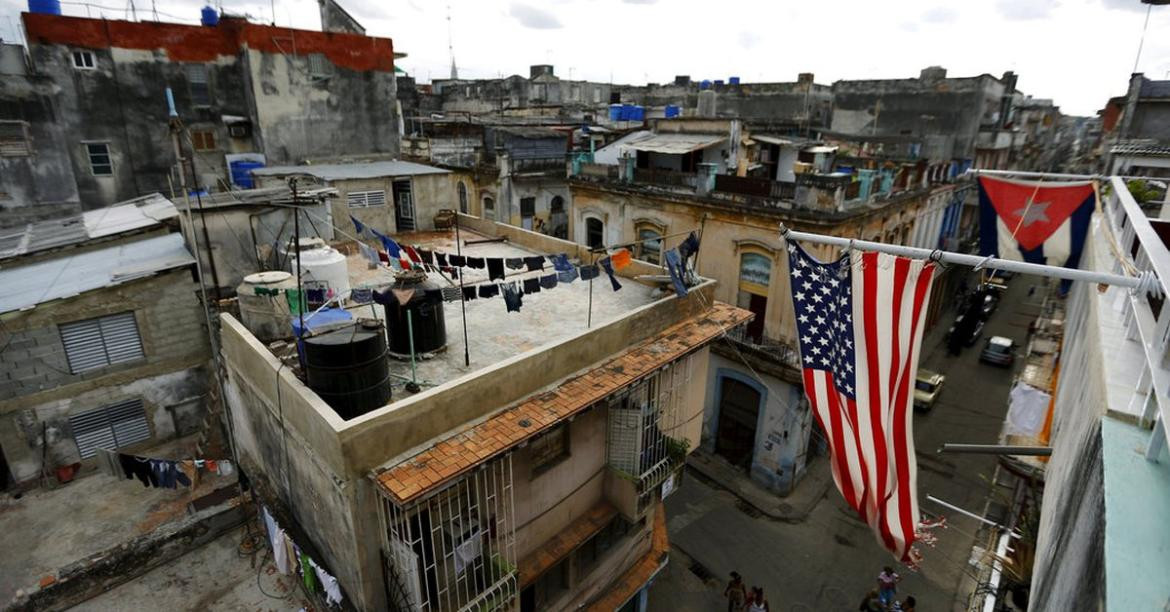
675, 144
821, 149
776, 140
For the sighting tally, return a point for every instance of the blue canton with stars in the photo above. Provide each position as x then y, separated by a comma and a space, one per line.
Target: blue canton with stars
823, 302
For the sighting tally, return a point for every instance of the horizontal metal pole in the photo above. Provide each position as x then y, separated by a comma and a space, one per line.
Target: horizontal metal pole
944, 504
963, 259
996, 449
1057, 175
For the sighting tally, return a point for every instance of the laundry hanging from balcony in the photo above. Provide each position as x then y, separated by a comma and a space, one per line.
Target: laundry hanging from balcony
291, 560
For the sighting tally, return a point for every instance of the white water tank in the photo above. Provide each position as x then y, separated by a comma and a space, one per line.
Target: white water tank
266, 315
324, 268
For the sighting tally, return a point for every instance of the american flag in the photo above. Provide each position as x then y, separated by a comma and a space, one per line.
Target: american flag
859, 321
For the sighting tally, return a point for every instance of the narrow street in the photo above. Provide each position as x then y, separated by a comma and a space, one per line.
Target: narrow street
829, 560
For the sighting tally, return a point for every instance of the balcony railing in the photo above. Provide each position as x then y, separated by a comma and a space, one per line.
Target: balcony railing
538, 164
602, 171
776, 350
755, 187
666, 178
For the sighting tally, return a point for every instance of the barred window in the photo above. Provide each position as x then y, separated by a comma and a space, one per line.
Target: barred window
549, 448
14, 141
365, 199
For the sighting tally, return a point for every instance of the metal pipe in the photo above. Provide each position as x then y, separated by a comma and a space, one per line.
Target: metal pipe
410, 333
1057, 175
975, 261
996, 449
970, 514
462, 301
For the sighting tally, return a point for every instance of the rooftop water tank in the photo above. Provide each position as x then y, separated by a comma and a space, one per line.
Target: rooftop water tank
45, 7
346, 366
426, 317
323, 268
241, 171
671, 111
615, 112
733, 80
704, 84
266, 315
209, 16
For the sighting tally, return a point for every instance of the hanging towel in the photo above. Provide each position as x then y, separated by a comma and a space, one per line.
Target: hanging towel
589, 272
512, 298
561, 262
369, 253
441, 260
328, 584
689, 247
181, 474
531, 285
548, 281
362, 296
607, 265
307, 573
108, 463
469, 293
489, 290
674, 266
358, 227
224, 467
450, 294
620, 258
514, 263
457, 260
475, 262
495, 268
535, 264
412, 254
296, 303
428, 257
315, 296
567, 276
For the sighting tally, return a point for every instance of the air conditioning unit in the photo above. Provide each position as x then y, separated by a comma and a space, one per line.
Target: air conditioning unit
242, 129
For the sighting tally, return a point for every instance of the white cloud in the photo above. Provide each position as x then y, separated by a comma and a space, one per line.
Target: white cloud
532, 17
1026, 9
940, 14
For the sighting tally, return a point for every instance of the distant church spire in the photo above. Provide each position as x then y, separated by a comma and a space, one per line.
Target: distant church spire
451, 45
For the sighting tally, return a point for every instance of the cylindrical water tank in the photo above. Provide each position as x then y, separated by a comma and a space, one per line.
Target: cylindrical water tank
324, 268
266, 314
426, 317
347, 367
209, 16
45, 7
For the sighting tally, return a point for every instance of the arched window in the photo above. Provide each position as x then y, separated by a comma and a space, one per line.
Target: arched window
594, 232
489, 207
557, 205
755, 277
558, 219
462, 189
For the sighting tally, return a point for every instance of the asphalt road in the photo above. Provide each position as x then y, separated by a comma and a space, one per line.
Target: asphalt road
831, 559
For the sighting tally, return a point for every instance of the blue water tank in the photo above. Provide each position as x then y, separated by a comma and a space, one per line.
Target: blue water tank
705, 84
209, 16
242, 172
719, 82
733, 80
615, 112
45, 7
671, 111
637, 113
627, 112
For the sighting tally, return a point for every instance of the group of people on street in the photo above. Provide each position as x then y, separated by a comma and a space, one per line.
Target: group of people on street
740, 599
885, 597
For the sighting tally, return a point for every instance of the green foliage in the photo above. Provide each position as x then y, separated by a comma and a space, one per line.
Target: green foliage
1143, 191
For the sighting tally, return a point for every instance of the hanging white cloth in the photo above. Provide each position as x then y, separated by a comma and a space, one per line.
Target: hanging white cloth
1029, 408
328, 583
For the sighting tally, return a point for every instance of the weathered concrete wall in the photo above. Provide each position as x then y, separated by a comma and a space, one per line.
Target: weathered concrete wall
40, 185
39, 389
429, 193
1151, 119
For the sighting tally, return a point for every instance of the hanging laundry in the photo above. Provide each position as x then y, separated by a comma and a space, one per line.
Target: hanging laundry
567, 276
495, 268
531, 285
412, 254
108, 463
267, 291
369, 253
290, 555
362, 296
441, 260
328, 584
514, 263
512, 297
212, 465
315, 296
358, 227
296, 302
307, 573
689, 247
620, 258
428, 257
535, 264
548, 281
469, 293
607, 265
225, 467
475, 262
589, 272
561, 262
189, 469
457, 260
450, 294
674, 267
489, 290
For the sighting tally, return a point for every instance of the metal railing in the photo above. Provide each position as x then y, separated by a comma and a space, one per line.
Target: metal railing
538, 164
755, 187
666, 178
777, 350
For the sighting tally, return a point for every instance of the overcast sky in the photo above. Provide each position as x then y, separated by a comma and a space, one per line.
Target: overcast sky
1078, 52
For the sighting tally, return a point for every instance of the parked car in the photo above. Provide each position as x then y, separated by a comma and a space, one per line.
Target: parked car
976, 331
998, 351
926, 389
989, 304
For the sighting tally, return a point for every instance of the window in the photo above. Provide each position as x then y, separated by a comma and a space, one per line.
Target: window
549, 449
198, 84
462, 189
100, 163
365, 199
319, 66
527, 212
755, 275
557, 205
649, 245
14, 141
109, 427
594, 233
547, 588
489, 207
203, 140
597, 95
83, 60
96, 343
593, 550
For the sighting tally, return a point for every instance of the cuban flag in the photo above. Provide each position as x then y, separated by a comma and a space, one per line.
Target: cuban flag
1037, 222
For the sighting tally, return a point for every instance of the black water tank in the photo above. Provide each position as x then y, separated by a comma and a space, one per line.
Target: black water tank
426, 317
347, 367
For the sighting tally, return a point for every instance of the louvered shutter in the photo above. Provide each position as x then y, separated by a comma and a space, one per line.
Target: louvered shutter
120, 334
110, 427
83, 345
128, 421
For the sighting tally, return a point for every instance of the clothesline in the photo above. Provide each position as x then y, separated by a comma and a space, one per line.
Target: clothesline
160, 473
291, 560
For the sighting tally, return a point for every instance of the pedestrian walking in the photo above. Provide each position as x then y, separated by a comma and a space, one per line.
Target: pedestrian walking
871, 602
759, 603
736, 593
887, 585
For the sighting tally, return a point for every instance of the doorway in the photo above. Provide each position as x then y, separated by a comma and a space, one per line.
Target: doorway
403, 206
594, 232
527, 212
758, 305
739, 410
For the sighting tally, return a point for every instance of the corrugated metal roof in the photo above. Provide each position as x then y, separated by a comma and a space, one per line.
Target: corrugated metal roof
67, 276
139, 213
675, 144
1146, 149
338, 172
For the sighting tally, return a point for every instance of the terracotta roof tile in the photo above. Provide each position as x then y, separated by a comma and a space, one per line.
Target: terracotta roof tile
458, 454
564, 542
619, 592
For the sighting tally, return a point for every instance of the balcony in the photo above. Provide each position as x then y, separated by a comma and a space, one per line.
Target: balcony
666, 178
755, 187
538, 165
778, 351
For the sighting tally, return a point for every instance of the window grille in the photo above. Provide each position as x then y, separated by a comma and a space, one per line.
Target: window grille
365, 199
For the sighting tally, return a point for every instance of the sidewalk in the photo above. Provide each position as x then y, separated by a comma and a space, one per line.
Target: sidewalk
793, 508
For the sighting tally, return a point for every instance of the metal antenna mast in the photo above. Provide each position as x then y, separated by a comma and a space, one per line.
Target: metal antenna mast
451, 45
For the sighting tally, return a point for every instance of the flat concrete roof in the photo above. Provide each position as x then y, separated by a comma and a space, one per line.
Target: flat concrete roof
493, 333
356, 170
